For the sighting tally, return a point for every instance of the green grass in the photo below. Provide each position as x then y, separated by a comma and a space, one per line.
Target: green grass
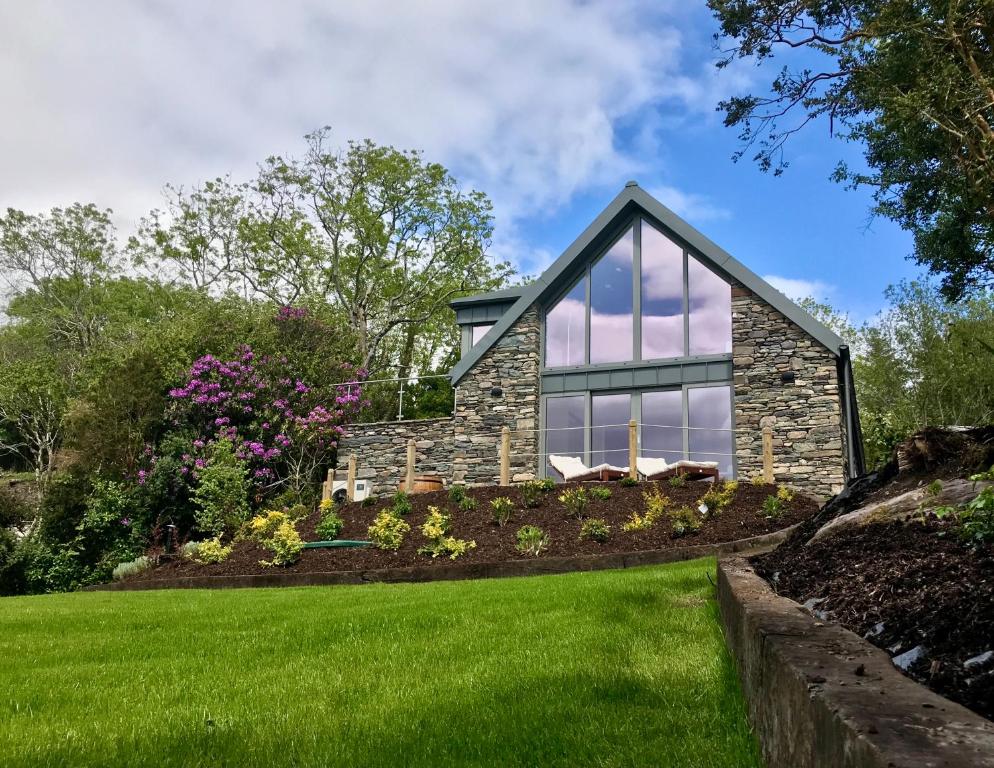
594, 669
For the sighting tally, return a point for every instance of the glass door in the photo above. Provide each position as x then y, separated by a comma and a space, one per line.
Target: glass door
609, 416
564, 422
662, 425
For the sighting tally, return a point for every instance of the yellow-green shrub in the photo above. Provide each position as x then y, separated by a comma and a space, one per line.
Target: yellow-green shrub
785, 494
285, 544
263, 526
211, 551
685, 520
388, 530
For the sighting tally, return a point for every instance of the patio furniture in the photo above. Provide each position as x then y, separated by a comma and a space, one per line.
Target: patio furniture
658, 469
573, 469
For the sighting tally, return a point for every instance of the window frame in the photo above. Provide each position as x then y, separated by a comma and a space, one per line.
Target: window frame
635, 223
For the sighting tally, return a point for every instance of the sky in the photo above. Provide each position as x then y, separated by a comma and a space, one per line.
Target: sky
548, 107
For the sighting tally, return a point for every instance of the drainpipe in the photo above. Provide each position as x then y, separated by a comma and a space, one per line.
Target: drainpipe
855, 458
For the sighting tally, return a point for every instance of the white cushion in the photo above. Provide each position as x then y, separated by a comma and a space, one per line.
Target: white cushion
648, 466
570, 467
687, 464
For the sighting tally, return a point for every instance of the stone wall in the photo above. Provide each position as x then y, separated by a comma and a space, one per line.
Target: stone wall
805, 415
380, 449
512, 365
466, 447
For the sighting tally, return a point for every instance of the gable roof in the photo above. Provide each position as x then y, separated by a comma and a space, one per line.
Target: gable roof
630, 200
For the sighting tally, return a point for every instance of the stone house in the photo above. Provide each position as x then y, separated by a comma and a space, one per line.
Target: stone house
642, 318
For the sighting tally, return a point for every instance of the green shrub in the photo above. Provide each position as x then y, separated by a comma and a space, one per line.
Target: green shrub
457, 493
575, 500
388, 530
985, 475
221, 498
595, 529
189, 549
131, 568
531, 493
13, 508
211, 551
773, 507
435, 529
285, 544
656, 503
330, 524
401, 504
501, 508
934, 488
977, 518
719, 496
547, 484
684, 520
532, 540
600, 492
367, 501
468, 504
758, 479
678, 481
628, 482
264, 525
785, 494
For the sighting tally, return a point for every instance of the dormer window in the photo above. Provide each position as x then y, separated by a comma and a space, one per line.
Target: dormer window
645, 298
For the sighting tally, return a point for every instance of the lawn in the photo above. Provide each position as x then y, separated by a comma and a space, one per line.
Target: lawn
606, 668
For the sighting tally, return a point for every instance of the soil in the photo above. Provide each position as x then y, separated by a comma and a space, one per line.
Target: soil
904, 585
742, 519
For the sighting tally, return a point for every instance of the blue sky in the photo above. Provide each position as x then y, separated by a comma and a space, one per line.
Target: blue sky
547, 107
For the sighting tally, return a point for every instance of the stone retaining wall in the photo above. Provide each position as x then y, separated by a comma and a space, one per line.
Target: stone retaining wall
806, 415
821, 697
381, 450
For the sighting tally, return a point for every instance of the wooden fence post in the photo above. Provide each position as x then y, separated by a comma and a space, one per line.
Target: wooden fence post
767, 454
505, 455
633, 471
350, 481
329, 486
409, 474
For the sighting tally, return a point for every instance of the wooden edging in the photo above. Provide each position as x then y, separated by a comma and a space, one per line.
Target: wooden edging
455, 571
819, 696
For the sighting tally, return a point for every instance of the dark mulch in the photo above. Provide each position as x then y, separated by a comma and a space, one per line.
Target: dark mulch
742, 519
902, 586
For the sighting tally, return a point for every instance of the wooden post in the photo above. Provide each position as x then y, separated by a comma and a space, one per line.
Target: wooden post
409, 475
328, 487
633, 471
350, 480
505, 455
767, 454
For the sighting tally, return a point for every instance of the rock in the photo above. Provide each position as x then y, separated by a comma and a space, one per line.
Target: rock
979, 661
877, 629
907, 506
906, 659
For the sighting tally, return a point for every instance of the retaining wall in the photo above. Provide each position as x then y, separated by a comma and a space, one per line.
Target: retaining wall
819, 696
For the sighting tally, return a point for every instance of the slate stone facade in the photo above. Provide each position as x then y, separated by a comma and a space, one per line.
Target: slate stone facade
503, 389
805, 415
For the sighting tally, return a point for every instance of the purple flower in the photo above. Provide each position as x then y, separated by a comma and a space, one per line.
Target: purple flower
126, 521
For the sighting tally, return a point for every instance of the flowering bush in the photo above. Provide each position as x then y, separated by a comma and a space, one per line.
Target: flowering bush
284, 428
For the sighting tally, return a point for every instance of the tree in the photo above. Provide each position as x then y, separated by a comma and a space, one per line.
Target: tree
913, 81
32, 405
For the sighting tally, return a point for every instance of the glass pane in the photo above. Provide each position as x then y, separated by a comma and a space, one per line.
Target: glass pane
609, 417
479, 331
565, 335
710, 302
662, 295
662, 425
564, 422
611, 304
710, 420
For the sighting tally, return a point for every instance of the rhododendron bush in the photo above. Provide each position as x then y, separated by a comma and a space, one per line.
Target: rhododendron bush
284, 428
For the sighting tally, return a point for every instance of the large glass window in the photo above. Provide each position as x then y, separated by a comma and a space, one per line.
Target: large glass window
662, 425
710, 305
611, 319
564, 422
709, 416
565, 329
662, 295
684, 308
609, 417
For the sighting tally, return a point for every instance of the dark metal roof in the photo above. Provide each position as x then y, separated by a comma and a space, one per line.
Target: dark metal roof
503, 295
630, 200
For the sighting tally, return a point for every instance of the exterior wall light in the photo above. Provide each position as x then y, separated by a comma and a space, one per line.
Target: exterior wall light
496, 392
788, 377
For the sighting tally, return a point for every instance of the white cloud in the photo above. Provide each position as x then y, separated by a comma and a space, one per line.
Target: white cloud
690, 205
798, 288
109, 101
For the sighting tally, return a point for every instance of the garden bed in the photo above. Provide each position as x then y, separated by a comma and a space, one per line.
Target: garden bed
742, 519
915, 589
